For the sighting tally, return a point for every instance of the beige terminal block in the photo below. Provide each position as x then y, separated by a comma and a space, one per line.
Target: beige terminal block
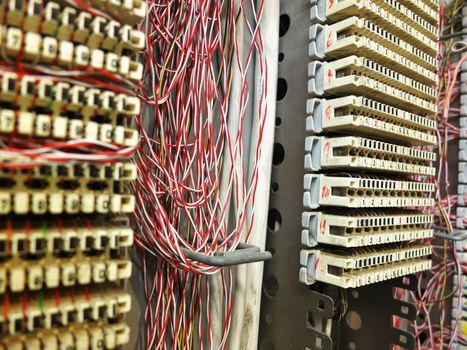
366, 267
357, 114
364, 229
350, 152
364, 192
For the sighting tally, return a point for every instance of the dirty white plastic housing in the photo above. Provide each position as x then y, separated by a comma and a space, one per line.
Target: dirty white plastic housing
362, 267
350, 152
357, 114
361, 192
363, 229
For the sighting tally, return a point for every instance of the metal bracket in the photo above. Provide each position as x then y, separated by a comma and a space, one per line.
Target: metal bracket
245, 254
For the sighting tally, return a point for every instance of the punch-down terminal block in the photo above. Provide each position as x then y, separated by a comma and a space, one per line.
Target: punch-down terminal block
46, 108
53, 272
390, 15
364, 192
462, 177
46, 32
459, 305
52, 309
359, 36
23, 239
372, 74
91, 335
73, 189
52, 253
359, 229
358, 114
359, 75
360, 153
362, 266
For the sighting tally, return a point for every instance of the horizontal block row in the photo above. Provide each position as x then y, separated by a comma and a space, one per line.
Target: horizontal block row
68, 23
94, 171
56, 97
90, 336
390, 15
345, 273
354, 192
46, 126
361, 37
360, 115
324, 79
63, 241
32, 47
426, 9
39, 202
357, 153
368, 228
57, 308
18, 276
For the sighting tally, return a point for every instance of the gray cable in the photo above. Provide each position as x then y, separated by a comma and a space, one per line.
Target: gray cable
244, 254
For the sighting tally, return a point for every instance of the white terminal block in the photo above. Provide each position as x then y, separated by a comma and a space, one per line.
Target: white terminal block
398, 19
462, 194
68, 54
462, 189
361, 153
461, 221
363, 230
463, 122
462, 257
372, 42
462, 279
361, 192
360, 75
461, 246
463, 98
352, 271
74, 203
63, 272
30, 91
363, 115
463, 84
462, 306
462, 150
463, 109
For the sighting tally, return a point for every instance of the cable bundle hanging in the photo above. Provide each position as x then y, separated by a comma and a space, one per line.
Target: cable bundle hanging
186, 141
195, 191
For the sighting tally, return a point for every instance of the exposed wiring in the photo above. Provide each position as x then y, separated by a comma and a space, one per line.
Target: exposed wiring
186, 145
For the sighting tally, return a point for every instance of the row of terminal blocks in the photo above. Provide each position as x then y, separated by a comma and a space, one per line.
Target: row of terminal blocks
65, 202
34, 48
32, 243
58, 96
27, 13
25, 123
20, 275
118, 171
86, 336
67, 23
48, 309
67, 188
